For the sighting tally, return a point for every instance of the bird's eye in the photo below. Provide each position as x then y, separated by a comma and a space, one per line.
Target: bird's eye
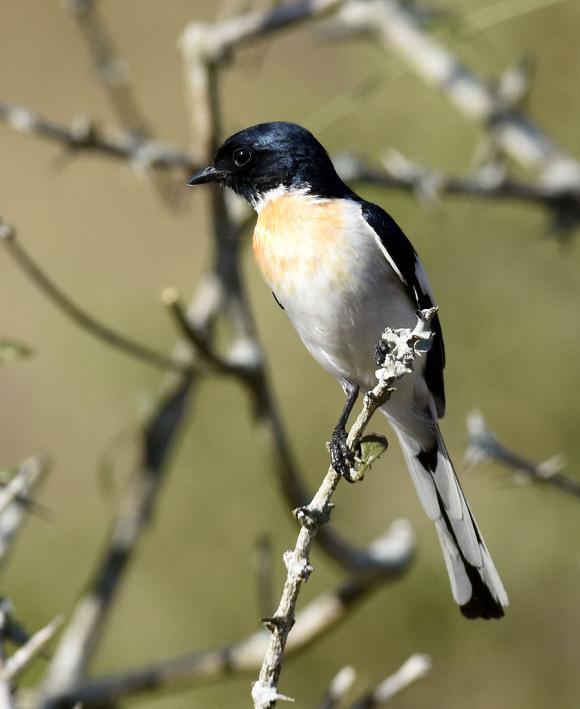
242, 157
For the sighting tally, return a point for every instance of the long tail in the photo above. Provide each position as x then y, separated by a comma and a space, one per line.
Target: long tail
475, 582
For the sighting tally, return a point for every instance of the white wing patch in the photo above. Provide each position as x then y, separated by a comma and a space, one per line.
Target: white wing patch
383, 250
423, 281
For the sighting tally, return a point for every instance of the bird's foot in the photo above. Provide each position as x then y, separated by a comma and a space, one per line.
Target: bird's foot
342, 458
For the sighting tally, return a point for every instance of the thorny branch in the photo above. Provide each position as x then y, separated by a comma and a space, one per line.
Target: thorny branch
403, 346
320, 616
483, 446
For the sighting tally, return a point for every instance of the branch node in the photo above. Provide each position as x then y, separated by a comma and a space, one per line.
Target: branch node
297, 568
311, 518
277, 623
264, 695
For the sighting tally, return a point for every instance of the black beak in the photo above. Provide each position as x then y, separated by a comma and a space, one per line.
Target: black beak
208, 174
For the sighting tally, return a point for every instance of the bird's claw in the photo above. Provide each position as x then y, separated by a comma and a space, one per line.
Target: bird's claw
342, 458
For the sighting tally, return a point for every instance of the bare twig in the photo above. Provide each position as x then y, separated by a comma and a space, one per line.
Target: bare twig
80, 317
16, 489
114, 75
319, 617
80, 638
199, 341
111, 68
339, 687
83, 136
483, 446
394, 25
415, 668
404, 344
14, 496
6, 700
20, 660
222, 38
485, 184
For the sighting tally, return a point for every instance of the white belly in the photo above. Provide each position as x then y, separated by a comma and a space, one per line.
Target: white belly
325, 268
340, 326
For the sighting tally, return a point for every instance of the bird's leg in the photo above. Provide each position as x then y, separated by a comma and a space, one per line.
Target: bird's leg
342, 458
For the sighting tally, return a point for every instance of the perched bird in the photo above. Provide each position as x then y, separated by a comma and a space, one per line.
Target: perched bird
343, 271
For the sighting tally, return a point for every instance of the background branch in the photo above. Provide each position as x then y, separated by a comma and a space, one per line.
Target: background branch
84, 136
489, 183
414, 669
79, 316
319, 617
483, 446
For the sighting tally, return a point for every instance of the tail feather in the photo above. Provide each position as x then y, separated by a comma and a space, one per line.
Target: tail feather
475, 583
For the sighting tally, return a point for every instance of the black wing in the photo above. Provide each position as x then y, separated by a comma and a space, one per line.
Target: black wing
406, 263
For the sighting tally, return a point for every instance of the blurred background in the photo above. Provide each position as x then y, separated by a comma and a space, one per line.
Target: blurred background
509, 297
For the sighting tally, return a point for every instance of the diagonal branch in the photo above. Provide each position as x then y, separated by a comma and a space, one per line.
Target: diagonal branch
15, 500
483, 446
24, 656
415, 668
80, 638
220, 39
394, 25
339, 687
110, 67
403, 346
79, 316
399, 173
83, 136
318, 618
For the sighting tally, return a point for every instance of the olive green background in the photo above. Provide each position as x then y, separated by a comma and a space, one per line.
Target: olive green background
509, 299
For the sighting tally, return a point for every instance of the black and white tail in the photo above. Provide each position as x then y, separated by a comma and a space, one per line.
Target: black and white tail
475, 582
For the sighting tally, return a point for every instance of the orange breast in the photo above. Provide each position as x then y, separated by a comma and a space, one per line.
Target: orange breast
296, 237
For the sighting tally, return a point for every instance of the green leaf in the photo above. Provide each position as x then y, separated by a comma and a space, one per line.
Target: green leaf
372, 447
11, 350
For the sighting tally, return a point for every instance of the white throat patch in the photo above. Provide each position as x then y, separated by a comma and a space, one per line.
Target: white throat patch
272, 195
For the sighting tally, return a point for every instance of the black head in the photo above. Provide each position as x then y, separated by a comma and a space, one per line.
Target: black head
263, 157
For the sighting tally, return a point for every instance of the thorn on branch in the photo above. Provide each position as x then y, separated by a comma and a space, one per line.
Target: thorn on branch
311, 518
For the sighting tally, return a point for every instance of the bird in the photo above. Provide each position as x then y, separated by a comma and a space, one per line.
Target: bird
343, 270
